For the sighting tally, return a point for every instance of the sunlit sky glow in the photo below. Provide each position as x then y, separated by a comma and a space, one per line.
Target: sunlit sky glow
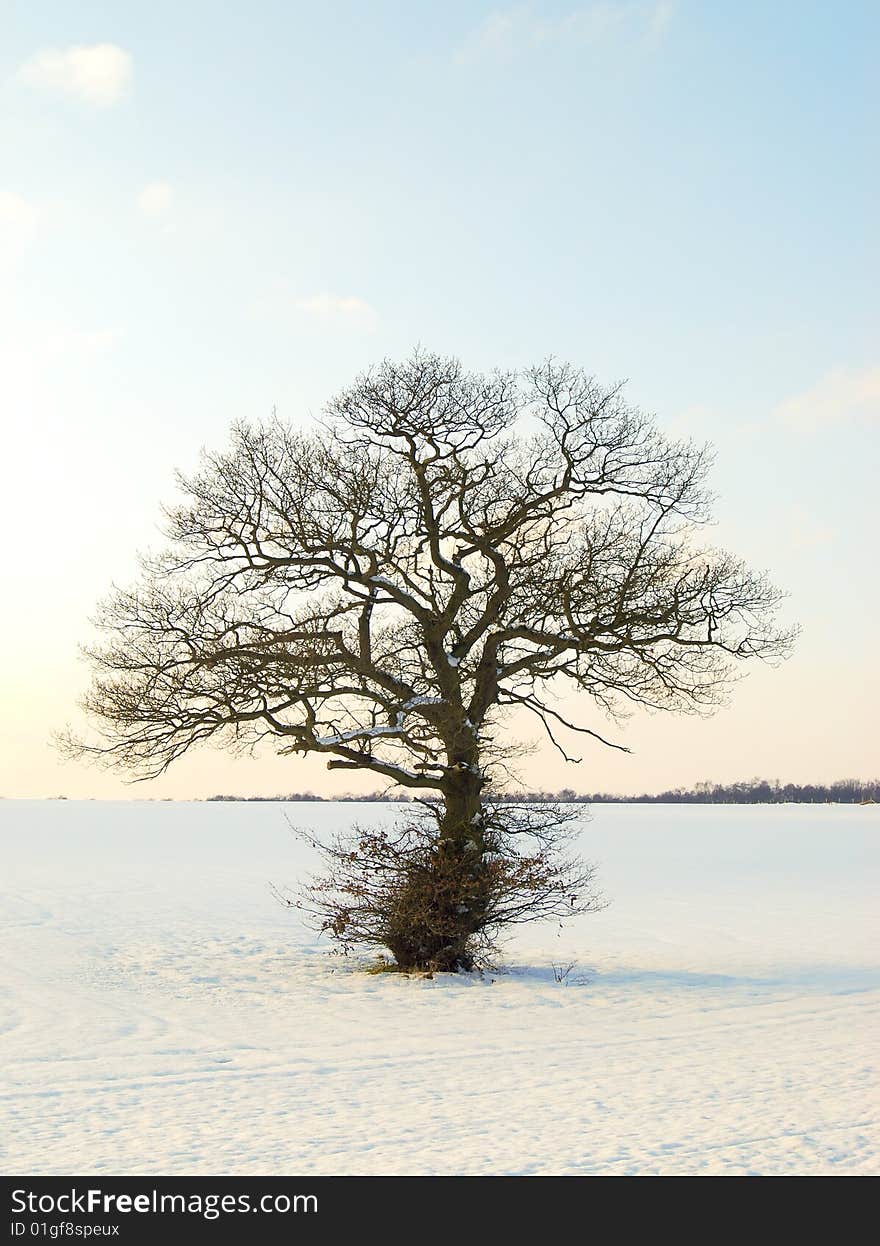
207, 210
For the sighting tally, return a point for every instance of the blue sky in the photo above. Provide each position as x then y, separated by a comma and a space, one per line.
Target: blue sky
207, 210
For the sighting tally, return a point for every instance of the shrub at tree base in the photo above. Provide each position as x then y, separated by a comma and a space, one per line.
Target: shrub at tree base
439, 903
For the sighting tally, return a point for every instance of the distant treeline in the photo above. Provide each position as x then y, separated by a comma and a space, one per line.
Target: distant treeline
757, 791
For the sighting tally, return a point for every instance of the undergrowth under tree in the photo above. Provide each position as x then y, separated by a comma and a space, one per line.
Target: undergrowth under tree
443, 549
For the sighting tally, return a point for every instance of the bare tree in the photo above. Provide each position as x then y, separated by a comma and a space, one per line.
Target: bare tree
444, 547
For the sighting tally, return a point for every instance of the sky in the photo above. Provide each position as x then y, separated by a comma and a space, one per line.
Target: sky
210, 210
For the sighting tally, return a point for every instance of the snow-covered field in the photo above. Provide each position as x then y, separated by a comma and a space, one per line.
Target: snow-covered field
161, 1013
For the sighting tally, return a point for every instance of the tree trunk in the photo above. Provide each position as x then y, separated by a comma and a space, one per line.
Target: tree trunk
443, 903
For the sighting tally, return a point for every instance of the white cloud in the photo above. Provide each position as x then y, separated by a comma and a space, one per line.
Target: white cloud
331, 308
281, 301
155, 199
844, 394
659, 18
512, 31
27, 351
18, 226
100, 74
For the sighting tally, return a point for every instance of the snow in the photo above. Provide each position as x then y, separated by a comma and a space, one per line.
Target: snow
361, 733
415, 703
160, 1013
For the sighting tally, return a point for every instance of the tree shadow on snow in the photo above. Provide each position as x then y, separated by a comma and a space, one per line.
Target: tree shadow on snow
820, 979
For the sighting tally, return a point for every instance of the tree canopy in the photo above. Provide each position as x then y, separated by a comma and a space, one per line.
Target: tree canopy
445, 545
